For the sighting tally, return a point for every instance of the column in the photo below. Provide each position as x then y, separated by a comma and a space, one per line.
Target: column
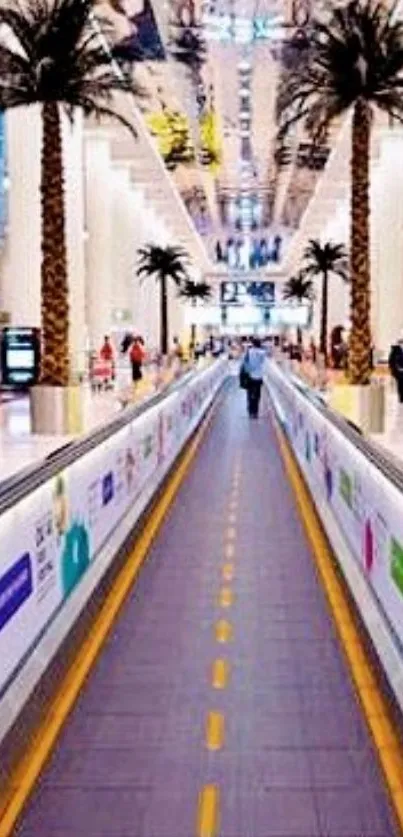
123, 257
388, 242
339, 291
20, 280
73, 142
99, 276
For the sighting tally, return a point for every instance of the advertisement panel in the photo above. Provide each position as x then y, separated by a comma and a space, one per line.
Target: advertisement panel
366, 506
50, 538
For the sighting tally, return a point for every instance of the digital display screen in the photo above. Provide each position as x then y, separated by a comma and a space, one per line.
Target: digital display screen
244, 293
20, 356
288, 315
20, 359
248, 315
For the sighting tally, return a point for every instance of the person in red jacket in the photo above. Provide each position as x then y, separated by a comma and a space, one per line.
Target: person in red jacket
107, 357
137, 355
106, 352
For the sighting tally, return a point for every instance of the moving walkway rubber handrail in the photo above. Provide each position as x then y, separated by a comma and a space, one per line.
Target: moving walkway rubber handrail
383, 460
15, 488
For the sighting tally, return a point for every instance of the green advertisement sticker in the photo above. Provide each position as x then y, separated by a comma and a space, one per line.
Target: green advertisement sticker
396, 566
346, 488
75, 558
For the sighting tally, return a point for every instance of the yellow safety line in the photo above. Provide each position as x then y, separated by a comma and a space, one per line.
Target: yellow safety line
228, 572
224, 631
226, 597
215, 730
27, 772
208, 812
373, 703
220, 674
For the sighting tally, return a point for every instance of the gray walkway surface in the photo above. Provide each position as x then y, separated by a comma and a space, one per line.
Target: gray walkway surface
295, 758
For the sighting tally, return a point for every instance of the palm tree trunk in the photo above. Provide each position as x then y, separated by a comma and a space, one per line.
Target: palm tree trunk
193, 333
324, 316
54, 280
164, 316
360, 339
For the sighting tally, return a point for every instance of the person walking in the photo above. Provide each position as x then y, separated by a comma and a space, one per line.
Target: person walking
396, 366
253, 364
137, 355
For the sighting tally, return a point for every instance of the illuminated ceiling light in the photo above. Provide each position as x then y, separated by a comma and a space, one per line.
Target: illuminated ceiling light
244, 65
244, 93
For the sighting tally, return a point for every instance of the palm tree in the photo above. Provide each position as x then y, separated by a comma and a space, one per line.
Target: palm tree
195, 292
51, 54
190, 49
323, 261
352, 60
164, 263
298, 289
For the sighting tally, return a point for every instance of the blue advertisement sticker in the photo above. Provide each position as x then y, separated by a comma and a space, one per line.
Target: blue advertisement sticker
107, 489
15, 588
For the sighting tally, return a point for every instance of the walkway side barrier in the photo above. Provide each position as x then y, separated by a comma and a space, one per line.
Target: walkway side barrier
358, 494
59, 540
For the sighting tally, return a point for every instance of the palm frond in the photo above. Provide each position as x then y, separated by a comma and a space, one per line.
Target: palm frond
321, 258
355, 53
170, 261
194, 291
298, 288
58, 55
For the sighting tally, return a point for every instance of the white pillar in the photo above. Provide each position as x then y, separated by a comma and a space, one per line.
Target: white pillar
388, 242
20, 280
375, 232
99, 244
339, 291
122, 243
73, 141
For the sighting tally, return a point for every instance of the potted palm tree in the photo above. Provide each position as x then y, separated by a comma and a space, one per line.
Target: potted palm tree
52, 55
325, 260
164, 264
350, 61
195, 292
298, 289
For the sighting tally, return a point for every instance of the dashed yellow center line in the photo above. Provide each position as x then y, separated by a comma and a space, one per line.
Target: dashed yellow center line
208, 818
228, 571
215, 731
220, 674
229, 551
230, 534
224, 631
226, 597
